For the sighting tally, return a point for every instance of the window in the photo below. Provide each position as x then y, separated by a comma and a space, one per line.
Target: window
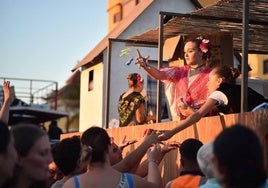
90, 80
265, 66
117, 17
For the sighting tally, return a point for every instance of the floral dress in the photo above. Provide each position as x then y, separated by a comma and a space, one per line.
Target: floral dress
127, 107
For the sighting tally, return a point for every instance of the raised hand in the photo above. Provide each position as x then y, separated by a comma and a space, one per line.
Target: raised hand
151, 137
165, 135
126, 143
168, 146
153, 153
8, 95
140, 60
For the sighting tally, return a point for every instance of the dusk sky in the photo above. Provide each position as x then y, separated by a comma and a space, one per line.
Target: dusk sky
45, 39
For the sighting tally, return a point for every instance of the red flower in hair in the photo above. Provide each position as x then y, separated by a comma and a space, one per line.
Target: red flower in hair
139, 78
205, 45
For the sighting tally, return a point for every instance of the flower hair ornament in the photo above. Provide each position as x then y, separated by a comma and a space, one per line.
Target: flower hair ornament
205, 47
139, 79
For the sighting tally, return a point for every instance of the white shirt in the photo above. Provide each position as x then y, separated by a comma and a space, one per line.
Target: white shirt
220, 97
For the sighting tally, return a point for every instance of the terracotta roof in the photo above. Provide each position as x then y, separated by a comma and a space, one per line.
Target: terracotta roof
74, 78
225, 15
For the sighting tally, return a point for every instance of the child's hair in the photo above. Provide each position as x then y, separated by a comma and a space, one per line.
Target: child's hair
229, 74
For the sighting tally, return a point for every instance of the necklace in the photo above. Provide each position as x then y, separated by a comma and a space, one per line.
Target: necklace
193, 73
199, 66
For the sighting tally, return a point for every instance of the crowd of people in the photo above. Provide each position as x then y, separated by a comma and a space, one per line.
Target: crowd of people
234, 159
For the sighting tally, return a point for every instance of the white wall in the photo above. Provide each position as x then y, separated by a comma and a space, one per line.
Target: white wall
91, 102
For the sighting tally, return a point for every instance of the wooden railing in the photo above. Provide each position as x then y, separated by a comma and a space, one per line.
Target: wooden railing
205, 130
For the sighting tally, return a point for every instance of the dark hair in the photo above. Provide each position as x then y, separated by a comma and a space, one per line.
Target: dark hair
95, 141
229, 74
134, 79
25, 136
189, 148
66, 154
54, 131
200, 44
240, 158
4, 137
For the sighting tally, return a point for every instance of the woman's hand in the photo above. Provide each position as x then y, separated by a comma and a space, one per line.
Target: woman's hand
153, 153
168, 146
126, 143
8, 95
141, 61
151, 136
165, 135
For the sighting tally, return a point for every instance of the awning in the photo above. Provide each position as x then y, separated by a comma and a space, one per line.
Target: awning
224, 16
28, 114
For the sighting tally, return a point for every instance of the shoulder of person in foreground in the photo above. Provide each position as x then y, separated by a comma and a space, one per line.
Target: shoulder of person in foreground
72, 182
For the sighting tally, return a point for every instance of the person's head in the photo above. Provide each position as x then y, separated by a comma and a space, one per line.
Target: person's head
34, 152
96, 143
54, 131
54, 173
53, 123
238, 158
204, 156
188, 152
135, 80
8, 153
196, 51
67, 154
220, 74
115, 153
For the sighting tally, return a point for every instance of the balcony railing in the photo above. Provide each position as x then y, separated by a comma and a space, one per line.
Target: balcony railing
33, 91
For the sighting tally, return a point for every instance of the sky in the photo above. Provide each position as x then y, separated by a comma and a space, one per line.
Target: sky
44, 39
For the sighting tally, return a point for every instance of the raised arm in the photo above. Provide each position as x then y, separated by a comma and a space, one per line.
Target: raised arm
154, 179
150, 70
153, 171
8, 98
142, 170
133, 159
